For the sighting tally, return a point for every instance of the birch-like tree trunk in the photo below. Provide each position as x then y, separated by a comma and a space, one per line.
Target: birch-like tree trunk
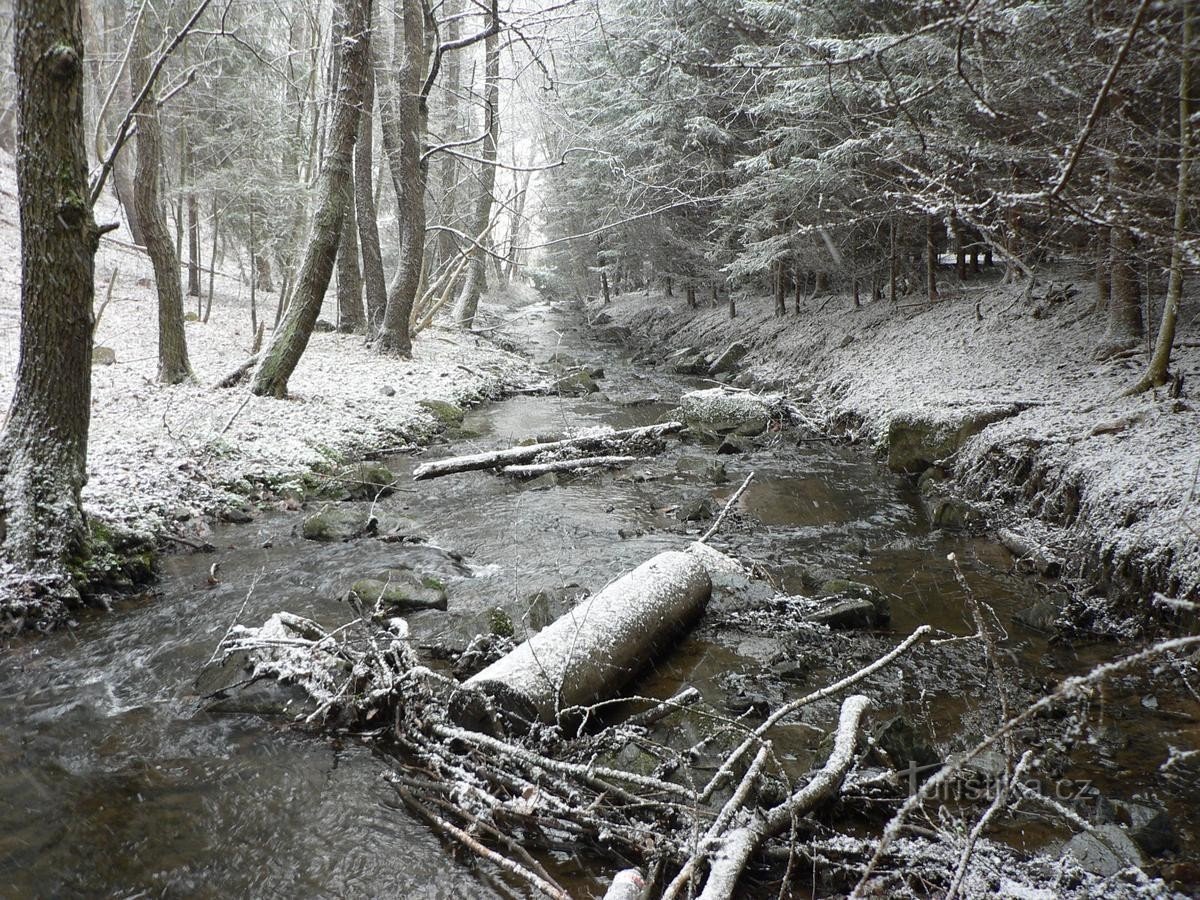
333, 187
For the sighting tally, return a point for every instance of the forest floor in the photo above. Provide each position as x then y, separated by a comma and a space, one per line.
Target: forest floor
1108, 482
169, 460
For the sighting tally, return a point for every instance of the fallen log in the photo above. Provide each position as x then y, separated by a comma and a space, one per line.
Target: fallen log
532, 470
498, 459
591, 651
1030, 554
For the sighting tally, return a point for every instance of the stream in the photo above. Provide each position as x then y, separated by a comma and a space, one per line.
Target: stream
118, 780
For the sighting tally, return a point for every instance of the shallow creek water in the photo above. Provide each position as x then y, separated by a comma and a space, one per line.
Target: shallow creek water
117, 780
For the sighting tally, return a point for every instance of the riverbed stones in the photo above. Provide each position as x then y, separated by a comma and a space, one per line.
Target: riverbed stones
917, 439
953, 513
1105, 850
706, 469
401, 590
363, 481
694, 362
729, 360
837, 592
698, 509
907, 748
339, 523
1043, 616
575, 384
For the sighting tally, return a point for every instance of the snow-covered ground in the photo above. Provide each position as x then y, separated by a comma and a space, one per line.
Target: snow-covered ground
161, 457
1110, 480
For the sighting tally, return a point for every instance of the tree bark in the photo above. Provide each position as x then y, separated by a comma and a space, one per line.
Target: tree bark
193, 225
43, 450
780, 290
333, 187
403, 114
374, 280
1158, 371
473, 284
931, 285
351, 319
173, 364
1125, 326
1103, 272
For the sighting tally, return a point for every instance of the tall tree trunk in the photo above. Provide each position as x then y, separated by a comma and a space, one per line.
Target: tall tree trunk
604, 289
212, 262
1158, 370
173, 365
451, 169
780, 290
333, 187
43, 450
402, 117
374, 280
1103, 272
960, 252
473, 284
351, 319
1125, 327
193, 221
931, 260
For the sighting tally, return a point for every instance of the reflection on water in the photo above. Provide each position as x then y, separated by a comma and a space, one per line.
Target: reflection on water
116, 779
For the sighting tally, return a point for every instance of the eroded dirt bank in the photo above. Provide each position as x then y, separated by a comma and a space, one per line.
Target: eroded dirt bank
998, 391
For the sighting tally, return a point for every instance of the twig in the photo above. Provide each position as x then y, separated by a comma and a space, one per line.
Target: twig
724, 512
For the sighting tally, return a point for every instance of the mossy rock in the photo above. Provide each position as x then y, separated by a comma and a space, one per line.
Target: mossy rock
360, 481
400, 589
577, 384
339, 523
842, 590
191, 317
103, 356
112, 559
448, 414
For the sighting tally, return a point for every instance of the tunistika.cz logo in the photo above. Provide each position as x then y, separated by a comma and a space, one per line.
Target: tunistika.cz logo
973, 786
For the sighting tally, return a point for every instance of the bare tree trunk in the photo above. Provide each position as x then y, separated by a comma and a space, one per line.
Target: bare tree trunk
351, 319
960, 253
451, 168
173, 364
931, 285
374, 281
1125, 326
780, 290
253, 277
822, 285
212, 262
893, 262
402, 116
473, 284
333, 186
43, 450
1158, 370
604, 287
1103, 270
193, 224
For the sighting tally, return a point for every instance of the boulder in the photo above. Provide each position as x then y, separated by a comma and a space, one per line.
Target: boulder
1149, 825
719, 411
363, 481
729, 360
191, 316
844, 589
1043, 615
697, 509
339, 523
323, 326
577, 384
694, 363
708, 469
848, 612
447, 413
400, 589
918, 439
1105, 850
953, 513
103, 356
907, 748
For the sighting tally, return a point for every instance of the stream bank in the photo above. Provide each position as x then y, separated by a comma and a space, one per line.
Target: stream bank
997, 386
121, 773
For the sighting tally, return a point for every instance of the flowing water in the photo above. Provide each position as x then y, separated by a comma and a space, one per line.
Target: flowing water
117, 779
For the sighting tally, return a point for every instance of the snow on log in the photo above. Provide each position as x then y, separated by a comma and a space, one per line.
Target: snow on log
495, 459
592, 650
530, 470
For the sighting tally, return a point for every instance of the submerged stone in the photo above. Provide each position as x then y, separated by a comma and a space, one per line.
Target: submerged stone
339, 523
577, 384
401, 589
